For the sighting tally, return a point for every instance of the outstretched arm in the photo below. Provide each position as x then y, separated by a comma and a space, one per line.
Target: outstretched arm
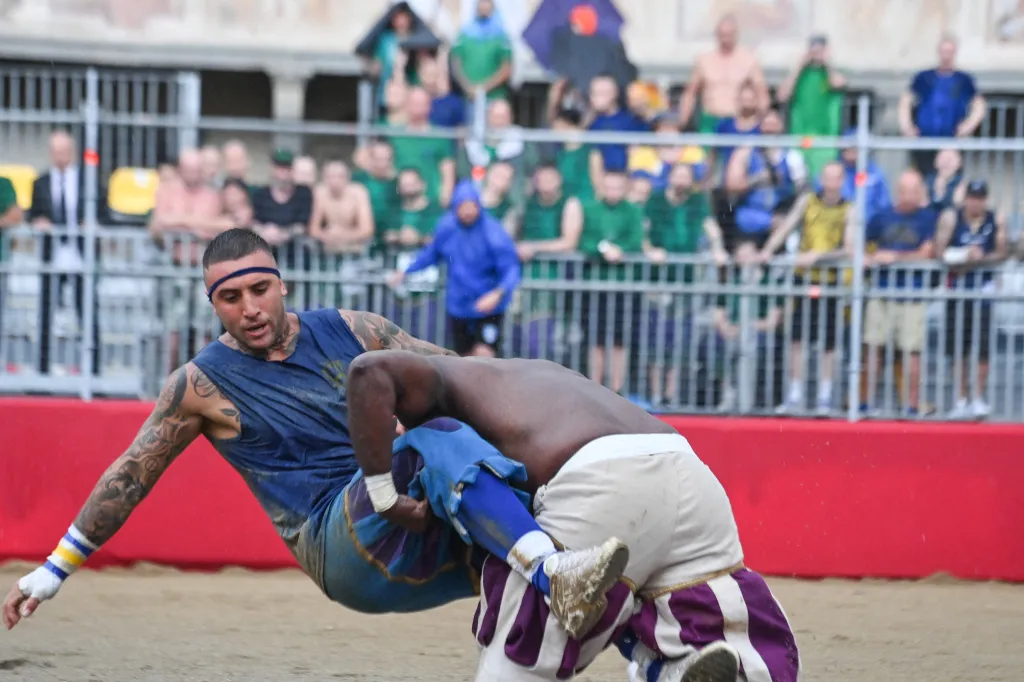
173, 424
379, 333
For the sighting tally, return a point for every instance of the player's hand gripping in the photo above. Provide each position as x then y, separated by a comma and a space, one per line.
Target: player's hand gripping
409, 513
26, 595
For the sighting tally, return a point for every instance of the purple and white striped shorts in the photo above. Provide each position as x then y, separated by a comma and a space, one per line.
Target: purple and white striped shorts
738, 609
522, 641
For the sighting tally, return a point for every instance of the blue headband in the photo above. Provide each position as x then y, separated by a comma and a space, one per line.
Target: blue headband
239, 273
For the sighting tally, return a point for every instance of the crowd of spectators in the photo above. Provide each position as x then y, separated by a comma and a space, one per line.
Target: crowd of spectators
613, 202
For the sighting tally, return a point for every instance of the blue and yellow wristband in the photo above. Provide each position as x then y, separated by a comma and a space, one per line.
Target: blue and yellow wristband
70, 553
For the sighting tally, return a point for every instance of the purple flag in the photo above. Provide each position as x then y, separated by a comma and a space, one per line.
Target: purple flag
552, 15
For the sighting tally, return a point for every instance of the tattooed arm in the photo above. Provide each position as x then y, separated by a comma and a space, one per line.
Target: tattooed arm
379, 333
174, 423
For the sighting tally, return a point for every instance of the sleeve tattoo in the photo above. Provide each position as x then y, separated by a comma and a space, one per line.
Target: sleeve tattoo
126, 482
379, 333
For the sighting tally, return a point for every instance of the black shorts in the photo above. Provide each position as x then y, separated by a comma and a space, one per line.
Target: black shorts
962, 328
815, 308
606, 312
469, 333
732, 235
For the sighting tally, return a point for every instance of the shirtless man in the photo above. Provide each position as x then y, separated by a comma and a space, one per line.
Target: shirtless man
596, 464
717, 78
342, 215
188, 205
270, 395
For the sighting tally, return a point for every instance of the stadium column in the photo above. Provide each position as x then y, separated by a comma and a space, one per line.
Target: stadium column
288, 84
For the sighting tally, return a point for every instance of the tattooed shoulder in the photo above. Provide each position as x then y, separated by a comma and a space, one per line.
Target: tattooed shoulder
206, 390
379, 333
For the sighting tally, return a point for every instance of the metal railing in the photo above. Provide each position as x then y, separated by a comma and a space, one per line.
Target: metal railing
679, 336
135, 339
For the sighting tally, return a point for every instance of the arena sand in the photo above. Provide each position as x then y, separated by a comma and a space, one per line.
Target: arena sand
157, 624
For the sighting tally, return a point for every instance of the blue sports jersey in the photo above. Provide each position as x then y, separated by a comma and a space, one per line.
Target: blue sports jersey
294, 449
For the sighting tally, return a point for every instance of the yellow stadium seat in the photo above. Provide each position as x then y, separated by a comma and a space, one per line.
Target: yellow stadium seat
131, 193
644, 160
22, 178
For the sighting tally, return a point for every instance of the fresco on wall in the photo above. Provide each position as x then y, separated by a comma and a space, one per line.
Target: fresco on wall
1005, 21
760, 21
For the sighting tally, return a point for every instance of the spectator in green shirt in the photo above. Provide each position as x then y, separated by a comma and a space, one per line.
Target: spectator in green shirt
416, 217
573, 158
432, 157
612, 228
482, 56
814, 92
677, 218
496, 194
376, 173
551, 224
10, 212
765, 312
503, 143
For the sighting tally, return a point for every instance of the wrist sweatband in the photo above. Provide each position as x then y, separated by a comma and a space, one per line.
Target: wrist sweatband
382, 492
70, 553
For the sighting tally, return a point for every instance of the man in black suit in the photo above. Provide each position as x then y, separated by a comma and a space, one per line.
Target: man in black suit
58, 201
58, 196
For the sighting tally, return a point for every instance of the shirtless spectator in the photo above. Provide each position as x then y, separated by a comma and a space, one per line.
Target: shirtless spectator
282, 209
304, 172
212, 171
187, 205
717, 78
236, 162
237, 209
342, 215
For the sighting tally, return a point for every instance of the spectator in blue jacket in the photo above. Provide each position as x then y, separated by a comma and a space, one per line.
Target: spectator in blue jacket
941, 102
875, 184
483, 271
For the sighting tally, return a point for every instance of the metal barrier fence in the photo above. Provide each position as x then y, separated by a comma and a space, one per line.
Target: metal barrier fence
87, 102
679, 336
110, 357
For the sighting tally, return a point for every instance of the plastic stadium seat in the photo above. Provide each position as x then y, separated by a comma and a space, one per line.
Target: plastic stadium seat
131, 194
22, 178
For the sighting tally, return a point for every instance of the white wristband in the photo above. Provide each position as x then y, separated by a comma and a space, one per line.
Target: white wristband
382, 492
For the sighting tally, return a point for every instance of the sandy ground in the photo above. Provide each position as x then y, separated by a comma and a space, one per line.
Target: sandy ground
162, 625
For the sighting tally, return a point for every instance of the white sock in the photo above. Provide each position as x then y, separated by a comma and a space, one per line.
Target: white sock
825, 391
796, 391
529, 553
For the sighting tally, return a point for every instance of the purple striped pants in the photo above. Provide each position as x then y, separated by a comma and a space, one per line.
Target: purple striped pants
522, 642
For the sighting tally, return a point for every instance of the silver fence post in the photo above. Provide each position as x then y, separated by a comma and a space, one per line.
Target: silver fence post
479, 115
190, 109
366, 111
89, 279
857, 309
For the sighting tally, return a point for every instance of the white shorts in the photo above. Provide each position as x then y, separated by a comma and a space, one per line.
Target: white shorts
651, 492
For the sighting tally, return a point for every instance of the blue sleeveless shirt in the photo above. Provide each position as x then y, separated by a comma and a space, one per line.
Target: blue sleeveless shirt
984, 238
294, 449
756, 208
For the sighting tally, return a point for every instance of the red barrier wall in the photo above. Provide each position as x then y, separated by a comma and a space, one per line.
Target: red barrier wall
812, 498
